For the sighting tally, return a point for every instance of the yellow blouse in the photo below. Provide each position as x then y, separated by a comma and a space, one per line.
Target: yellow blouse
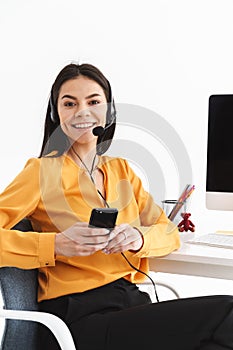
54, 193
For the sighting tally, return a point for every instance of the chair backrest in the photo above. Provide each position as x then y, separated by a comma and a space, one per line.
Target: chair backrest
19, 292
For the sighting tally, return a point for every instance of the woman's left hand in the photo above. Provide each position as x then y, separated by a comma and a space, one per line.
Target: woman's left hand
124, 237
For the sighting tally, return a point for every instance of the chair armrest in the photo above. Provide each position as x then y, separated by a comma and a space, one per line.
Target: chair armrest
168, 286
54, 323
162, 284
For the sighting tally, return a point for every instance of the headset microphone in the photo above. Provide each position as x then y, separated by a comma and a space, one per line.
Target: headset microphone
98, 131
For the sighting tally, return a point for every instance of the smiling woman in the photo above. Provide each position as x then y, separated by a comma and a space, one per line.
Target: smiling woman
81, 105
94, 99
88, 275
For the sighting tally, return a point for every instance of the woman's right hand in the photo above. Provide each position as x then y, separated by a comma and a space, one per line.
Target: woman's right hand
81, 240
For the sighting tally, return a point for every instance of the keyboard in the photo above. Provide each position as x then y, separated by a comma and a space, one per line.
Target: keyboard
213, 240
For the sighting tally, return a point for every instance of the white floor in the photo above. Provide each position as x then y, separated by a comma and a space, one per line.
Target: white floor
187, 286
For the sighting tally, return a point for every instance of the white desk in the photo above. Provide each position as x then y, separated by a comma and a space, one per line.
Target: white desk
196, 260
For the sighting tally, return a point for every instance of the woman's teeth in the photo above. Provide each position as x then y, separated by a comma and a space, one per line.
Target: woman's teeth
83, 125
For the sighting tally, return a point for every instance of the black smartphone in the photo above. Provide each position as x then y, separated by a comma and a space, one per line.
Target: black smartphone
103, 217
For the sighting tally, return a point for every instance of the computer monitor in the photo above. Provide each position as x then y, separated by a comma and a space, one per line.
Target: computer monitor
219, 175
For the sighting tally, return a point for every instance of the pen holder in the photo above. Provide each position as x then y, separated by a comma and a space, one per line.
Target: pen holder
173, 209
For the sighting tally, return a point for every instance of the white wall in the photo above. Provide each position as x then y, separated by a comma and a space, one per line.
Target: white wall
165, 55
168, 56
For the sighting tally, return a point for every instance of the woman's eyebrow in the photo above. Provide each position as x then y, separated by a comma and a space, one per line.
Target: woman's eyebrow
93, 95
74, 98
69, 96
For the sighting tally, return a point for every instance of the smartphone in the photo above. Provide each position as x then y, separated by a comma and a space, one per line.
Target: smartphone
103, 217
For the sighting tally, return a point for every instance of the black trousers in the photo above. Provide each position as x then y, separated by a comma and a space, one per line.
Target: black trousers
119, 316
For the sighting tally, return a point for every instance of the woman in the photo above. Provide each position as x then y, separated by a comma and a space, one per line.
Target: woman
88, 276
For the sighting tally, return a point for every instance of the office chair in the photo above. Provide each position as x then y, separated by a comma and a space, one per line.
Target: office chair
19, 294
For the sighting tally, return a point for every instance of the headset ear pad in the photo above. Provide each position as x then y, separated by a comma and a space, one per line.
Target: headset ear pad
104, 141
53, 111
111, 113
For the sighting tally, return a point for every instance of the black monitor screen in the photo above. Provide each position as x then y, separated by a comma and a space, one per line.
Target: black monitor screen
220, 144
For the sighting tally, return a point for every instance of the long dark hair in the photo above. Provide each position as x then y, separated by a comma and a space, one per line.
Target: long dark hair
54, 138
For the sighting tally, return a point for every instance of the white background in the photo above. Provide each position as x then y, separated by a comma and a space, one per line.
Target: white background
165, 55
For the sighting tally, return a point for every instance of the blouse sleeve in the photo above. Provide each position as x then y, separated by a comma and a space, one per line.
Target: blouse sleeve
19, 200
160, 235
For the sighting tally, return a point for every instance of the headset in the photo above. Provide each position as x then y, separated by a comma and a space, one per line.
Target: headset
111, 112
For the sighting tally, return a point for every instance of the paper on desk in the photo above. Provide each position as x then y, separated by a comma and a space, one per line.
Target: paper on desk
222, 232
